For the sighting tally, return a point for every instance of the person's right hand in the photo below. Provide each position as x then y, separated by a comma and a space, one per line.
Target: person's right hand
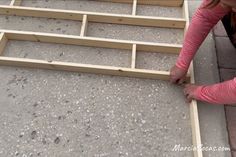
177, 75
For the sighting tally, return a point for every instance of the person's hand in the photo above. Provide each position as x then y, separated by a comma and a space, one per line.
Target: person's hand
190, 92
177, 75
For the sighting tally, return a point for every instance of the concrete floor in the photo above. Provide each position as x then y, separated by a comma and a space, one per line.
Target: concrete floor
51, 113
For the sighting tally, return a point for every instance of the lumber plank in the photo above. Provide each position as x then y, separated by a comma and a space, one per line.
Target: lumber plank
94, 17
91, 41
133, 58
3, 42
84, 26
196, 134
134, 9
170, 3
16, 2
84, 68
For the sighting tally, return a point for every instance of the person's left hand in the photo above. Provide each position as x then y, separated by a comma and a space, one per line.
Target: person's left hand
190, 92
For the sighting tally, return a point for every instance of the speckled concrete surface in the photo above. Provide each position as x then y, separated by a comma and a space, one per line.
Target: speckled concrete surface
151, 34
69, 53
155, 61
4, 2
82, 5
52, 113
40, 25
149, 10
117, 8
49, 113
88, 55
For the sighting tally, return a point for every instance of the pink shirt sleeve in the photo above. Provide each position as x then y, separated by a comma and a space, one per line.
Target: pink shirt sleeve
202, 22
222, 93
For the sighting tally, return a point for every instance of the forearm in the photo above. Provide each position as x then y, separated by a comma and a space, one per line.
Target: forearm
222, 93
202, 22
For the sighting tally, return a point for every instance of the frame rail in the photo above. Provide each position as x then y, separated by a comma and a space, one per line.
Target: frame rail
3, 42
134, 55
196, 133
134, 9
85, 68
91, 41
84, 26
94, 17
84, 41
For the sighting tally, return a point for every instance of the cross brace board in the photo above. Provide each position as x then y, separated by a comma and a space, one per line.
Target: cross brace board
86, 41
94, 16
86, 17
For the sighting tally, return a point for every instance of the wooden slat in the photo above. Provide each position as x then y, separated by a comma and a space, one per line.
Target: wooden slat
84, 26
134, 9
196, 135
3, 42
15, 2
91, 41
85, 68
94, 17
133, 58
170, 3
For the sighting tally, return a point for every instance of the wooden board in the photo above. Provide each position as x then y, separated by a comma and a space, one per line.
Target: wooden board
3, 42
84, 41
196, 135
85, 68
94, 17
91, 41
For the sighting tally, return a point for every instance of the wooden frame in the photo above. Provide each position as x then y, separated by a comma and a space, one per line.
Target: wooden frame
133, 46
94, 17
86, 41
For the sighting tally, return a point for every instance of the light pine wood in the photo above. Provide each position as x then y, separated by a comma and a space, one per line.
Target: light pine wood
85, 68
85, 41
91, 41
3, 42
133, 60
84, 26
16, 2
94, 17
196, 134
134, 9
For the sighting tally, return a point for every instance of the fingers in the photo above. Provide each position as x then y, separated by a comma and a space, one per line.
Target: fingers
189, 98
177, 75
173, 80
188, 93
182, 81
177, 80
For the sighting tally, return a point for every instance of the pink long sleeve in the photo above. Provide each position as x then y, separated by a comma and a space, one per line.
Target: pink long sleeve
202, 22
222, 93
